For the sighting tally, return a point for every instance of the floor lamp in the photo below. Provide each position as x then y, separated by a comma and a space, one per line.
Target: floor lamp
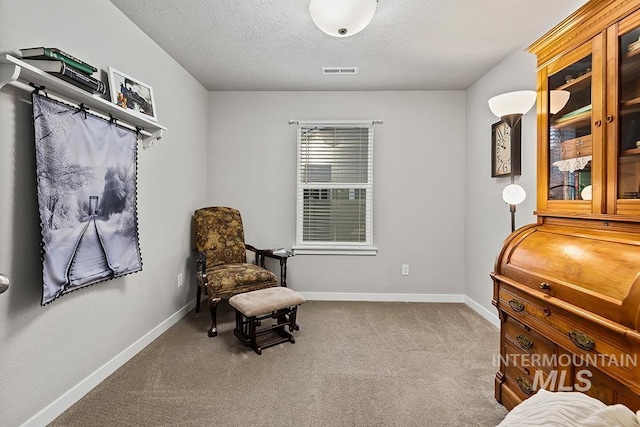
513, 194
510, 107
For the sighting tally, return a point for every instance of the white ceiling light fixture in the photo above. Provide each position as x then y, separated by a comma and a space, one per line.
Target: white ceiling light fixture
342, 18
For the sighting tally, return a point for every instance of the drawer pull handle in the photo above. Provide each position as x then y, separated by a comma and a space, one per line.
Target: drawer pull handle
609, 119
546, 311
545, 286
525, 342
579, 142
524, 386
516, 305
582, 340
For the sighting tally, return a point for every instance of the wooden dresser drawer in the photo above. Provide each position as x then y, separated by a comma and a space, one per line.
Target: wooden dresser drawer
529, 310
525, 382
591, 346
529, 363
578, 147
601, 387
519, 382
507, 396
523, 338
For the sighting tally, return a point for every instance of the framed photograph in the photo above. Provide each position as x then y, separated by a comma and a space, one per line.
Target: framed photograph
502, 159
130, 93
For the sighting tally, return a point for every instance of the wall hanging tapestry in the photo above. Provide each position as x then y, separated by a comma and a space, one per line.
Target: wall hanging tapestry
86, 168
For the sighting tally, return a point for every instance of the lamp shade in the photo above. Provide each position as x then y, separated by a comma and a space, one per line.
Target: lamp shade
342, 18
557, 100
513, 194
518, 102
4, 283
587, 193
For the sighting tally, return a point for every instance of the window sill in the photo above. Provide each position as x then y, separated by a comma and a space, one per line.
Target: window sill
335, 250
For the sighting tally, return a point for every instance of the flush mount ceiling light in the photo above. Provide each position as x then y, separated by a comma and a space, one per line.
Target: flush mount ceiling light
342, 18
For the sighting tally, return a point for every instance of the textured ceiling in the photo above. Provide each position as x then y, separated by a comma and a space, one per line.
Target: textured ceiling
409, 45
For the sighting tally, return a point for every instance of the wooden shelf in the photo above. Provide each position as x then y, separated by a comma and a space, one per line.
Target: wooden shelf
635, 102
632, 152
580, 118
630, 106
19, 74
579, 83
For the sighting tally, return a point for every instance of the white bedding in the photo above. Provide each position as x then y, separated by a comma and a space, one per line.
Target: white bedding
568, 409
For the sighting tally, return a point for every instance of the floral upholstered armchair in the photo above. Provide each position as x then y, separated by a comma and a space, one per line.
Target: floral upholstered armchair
222, 268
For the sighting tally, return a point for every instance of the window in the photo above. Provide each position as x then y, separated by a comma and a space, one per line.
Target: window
335, 188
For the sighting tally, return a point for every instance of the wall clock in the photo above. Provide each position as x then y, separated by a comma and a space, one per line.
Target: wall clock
502, 159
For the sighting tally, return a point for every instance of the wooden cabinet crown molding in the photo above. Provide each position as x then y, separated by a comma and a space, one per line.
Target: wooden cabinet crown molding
580, 27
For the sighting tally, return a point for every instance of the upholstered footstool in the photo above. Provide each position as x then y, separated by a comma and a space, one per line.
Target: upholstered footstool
253, 307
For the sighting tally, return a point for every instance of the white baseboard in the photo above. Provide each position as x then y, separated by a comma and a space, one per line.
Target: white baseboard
347, 296
452, 298
61, 404
489, 315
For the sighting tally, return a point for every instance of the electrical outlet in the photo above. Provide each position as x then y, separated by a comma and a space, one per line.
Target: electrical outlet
405, 269
180, 281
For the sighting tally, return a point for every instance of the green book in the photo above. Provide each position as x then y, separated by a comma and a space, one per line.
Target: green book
574, 113
53, 53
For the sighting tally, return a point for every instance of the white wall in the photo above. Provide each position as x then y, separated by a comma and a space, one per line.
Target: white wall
46, 351
487, 217
418, 185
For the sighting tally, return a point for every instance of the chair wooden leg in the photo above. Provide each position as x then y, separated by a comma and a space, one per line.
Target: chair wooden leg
213, 306
198, 296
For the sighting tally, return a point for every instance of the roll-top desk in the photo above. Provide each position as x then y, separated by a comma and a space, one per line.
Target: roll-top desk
567, 288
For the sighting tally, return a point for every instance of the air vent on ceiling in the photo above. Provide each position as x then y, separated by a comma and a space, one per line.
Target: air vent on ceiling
339, 70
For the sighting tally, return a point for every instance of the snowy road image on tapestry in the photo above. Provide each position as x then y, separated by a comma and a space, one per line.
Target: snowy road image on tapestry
86, 170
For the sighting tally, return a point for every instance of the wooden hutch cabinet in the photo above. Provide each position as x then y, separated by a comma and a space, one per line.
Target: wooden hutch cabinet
567, 288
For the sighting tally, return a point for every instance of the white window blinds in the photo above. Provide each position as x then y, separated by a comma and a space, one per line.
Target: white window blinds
335, 187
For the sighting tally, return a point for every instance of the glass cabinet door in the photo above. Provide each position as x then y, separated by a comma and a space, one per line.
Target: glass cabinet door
570, 142
628, 129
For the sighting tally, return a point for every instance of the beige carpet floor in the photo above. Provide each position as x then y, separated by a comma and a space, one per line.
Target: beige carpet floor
353, 364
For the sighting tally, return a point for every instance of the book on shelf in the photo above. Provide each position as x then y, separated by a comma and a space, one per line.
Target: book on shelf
69, 74
47, 53
574, 113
